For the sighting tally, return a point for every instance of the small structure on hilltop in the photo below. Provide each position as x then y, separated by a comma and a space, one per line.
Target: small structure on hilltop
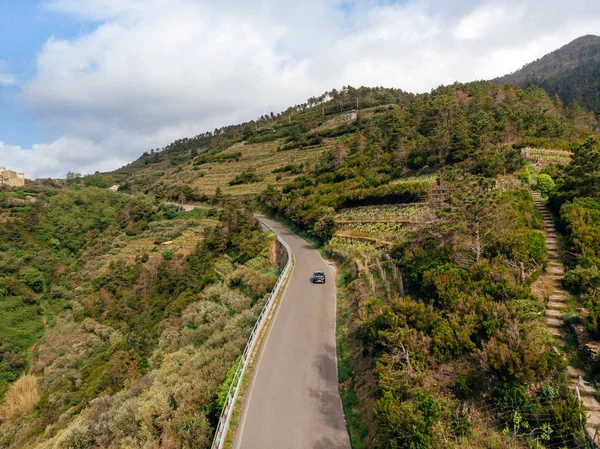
11, 178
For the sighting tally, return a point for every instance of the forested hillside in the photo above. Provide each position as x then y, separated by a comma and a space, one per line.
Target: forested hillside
576, 201
571, 72
122, 317
425, 201
243, 160
427, 206
323, 157
129, 313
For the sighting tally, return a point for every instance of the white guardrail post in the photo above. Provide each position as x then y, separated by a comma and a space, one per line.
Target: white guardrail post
234, 389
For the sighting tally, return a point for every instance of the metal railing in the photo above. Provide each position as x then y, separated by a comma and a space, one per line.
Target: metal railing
234, 389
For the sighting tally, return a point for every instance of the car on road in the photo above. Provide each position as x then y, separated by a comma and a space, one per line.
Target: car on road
318, 277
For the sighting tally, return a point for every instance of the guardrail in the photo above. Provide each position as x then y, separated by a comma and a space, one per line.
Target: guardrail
234, 390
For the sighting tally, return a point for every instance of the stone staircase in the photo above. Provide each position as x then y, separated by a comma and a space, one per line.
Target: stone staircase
557, 302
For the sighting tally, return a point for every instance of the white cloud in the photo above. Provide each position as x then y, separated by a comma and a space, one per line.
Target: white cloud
86, 155
483, 19
152, 71
56, 159
6, 78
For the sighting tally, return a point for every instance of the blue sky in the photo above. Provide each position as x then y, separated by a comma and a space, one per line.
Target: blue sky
89, 85
24, 27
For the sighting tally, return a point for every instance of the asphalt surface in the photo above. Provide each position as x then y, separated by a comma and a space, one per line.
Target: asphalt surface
292, 401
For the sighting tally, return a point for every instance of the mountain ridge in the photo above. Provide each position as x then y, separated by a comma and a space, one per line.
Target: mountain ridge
572, 72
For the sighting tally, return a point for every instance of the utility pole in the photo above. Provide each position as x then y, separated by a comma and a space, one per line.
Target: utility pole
357, 103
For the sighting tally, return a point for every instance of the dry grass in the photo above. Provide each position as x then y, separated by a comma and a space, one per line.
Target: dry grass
430, 178
204, 179
264, 158
546, 156
21, 397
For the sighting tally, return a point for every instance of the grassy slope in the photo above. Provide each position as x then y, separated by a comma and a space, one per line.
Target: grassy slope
264, 158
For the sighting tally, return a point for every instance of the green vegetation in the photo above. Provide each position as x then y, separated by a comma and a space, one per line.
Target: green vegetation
216, 158
577, 199
149, 311
210, 160
545, 184
430, 332
292, 168
569, 73
134, 313
423, 199
102, 181
439, 329
468, 125
248, 176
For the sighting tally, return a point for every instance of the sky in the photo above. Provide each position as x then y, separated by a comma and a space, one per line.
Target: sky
89, 85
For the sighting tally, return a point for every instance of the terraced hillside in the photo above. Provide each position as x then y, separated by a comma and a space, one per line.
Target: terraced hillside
424, 203
12, 203
243, 159
373, 229
436, 243
543, 157
269, 166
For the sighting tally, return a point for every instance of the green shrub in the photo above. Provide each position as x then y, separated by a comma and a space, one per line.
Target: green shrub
34, 279
580, 279
545, 184
582, 220
524, 176
193, 431
467, 386
168, 254
248, 176
528, 247
325, 228
224, 387
407, 424
101, 181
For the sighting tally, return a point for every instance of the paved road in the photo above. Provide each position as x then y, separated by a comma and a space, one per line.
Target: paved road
293, 400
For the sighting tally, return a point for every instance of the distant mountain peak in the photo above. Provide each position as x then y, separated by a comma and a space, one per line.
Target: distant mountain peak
585, 38
572, 72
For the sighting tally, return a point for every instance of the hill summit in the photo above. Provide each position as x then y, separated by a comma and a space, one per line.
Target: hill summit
572, 72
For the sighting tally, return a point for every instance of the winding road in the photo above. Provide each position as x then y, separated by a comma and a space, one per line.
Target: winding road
292, 401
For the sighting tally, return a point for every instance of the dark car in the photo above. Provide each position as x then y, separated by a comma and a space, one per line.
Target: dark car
318, 277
